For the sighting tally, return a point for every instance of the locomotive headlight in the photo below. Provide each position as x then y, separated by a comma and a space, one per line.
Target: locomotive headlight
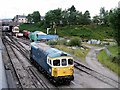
70, 68
49, 70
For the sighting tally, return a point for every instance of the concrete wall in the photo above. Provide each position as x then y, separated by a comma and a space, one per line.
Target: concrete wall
3, 81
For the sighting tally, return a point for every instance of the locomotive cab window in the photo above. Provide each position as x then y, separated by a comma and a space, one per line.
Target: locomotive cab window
64, 62
49, 62
70, 61
56, 62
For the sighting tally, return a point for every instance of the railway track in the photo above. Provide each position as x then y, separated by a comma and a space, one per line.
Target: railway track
20, 72
32, 70
23, 40
97, 75
28, 71
26, 75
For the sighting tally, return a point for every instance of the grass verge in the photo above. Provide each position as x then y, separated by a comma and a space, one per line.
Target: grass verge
80, 53
113, 50
107, 61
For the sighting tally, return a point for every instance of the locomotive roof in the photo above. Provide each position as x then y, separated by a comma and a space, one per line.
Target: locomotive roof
41, 46
51, 52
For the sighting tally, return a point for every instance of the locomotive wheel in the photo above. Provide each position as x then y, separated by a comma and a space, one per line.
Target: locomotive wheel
55, 83
40, 68
31, 60
68, 82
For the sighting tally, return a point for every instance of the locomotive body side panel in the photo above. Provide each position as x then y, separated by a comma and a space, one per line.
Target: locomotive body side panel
41, 58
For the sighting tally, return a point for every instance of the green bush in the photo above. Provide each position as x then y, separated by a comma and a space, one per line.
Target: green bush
61, 42
75, 41
52, 42
115, 59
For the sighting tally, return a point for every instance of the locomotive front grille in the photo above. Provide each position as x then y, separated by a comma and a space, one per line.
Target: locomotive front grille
63, 71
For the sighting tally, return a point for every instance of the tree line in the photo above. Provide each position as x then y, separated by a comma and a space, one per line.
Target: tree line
61, 17
70, 16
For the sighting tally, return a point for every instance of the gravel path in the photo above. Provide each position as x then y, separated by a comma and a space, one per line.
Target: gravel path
93, 62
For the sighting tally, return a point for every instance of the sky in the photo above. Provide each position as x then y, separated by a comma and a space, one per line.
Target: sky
11, 8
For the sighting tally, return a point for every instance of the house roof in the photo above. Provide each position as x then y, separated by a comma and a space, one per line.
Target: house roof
20, 16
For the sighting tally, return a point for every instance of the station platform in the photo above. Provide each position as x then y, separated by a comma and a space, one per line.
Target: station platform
3, 80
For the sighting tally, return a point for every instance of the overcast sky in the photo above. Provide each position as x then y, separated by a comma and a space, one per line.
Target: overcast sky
10, 8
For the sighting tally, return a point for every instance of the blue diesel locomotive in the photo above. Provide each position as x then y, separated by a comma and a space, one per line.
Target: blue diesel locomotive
56, 64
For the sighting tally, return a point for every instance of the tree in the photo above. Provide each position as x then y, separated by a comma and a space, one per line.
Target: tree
36, 16
53, 17
115, 22
79, 17
102, 12
65, 17
87, 17
83, 19
104, 16
72, 9
96, 19
72, 15
29, 18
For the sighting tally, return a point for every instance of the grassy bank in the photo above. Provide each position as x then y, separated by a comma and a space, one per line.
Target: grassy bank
107, 60
86, 31
113, 50
82, 31
31, 27
80, 53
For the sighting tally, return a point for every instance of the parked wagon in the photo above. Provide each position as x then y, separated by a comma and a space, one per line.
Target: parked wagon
26, 33
37, 36
15, 30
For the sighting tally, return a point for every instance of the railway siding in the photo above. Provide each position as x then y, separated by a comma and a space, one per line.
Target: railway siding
20, 71
34, 78
97, 75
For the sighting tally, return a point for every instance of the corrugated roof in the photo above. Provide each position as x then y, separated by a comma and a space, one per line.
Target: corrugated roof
40, 33
49, 37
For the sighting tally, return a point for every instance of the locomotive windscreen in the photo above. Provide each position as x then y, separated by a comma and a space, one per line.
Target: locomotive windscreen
63, 54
